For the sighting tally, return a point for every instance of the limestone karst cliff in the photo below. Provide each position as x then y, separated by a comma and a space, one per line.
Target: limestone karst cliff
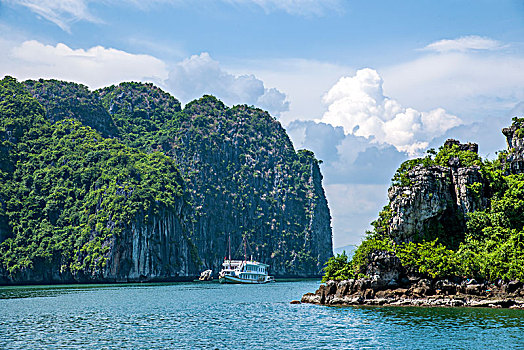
122, 184
434, 200
515, 139
244, 178
452, 234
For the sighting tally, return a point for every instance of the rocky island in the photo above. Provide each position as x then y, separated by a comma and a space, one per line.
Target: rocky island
122, 184
451, 235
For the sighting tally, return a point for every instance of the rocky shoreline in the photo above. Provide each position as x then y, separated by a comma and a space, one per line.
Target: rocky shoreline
419, 292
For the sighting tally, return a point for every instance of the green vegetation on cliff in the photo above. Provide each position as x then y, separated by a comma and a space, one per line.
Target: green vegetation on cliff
66, 192
242, 173
94, 182
491, 245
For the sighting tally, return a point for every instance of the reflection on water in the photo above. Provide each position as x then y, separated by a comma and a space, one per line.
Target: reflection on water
215, 316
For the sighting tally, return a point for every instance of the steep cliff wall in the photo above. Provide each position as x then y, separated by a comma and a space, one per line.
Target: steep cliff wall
156, 251
241, 178
242, 174
515, 139
434, 200
77, 207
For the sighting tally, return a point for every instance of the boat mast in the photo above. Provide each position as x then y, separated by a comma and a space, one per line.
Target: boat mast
229, 245
245, 249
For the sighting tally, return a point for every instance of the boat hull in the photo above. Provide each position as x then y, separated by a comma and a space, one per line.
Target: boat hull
236, 280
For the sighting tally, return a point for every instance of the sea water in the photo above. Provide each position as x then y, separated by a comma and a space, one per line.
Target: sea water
210, 315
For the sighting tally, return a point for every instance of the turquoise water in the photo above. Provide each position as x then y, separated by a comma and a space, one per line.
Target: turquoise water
215, 316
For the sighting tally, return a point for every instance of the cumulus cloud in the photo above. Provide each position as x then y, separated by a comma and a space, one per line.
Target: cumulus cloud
465, 43
200, 74
357, 103
95, 67
357, 173
346, 158
321, 138
99, 66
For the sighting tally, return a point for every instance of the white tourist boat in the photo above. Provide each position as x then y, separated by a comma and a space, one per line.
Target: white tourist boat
244, 271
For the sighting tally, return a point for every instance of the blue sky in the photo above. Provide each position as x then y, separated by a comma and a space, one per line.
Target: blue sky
364, 84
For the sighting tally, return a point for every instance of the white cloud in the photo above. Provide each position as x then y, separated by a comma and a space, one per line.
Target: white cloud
60, 12
465, 43
471, 84
65, 12
200, 74
357, 103
98, 66
304, 82
274, 101
95, 67
356, 175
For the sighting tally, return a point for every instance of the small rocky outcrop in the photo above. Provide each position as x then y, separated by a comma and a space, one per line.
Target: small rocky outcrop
392, 284
515, 139
420, 292
436, 200
472, 147
431, 199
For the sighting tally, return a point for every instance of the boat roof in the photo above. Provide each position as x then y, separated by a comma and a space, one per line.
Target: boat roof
239, 262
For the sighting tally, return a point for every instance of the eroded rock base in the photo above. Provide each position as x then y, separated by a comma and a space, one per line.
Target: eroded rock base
422, 292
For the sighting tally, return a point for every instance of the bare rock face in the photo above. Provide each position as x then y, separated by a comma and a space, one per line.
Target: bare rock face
515, 139
469, 199
158, 251
435, 202
428, 200
384, 268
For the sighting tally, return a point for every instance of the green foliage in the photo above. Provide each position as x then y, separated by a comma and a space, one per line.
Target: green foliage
492, 246
337, 268
73, 192
382, 223
369, 245
466, 158
70, 192
66, 100
429, 257
142, 113
401, 177
519, 124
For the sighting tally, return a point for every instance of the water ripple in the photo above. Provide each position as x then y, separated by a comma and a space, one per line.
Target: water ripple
214, 316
